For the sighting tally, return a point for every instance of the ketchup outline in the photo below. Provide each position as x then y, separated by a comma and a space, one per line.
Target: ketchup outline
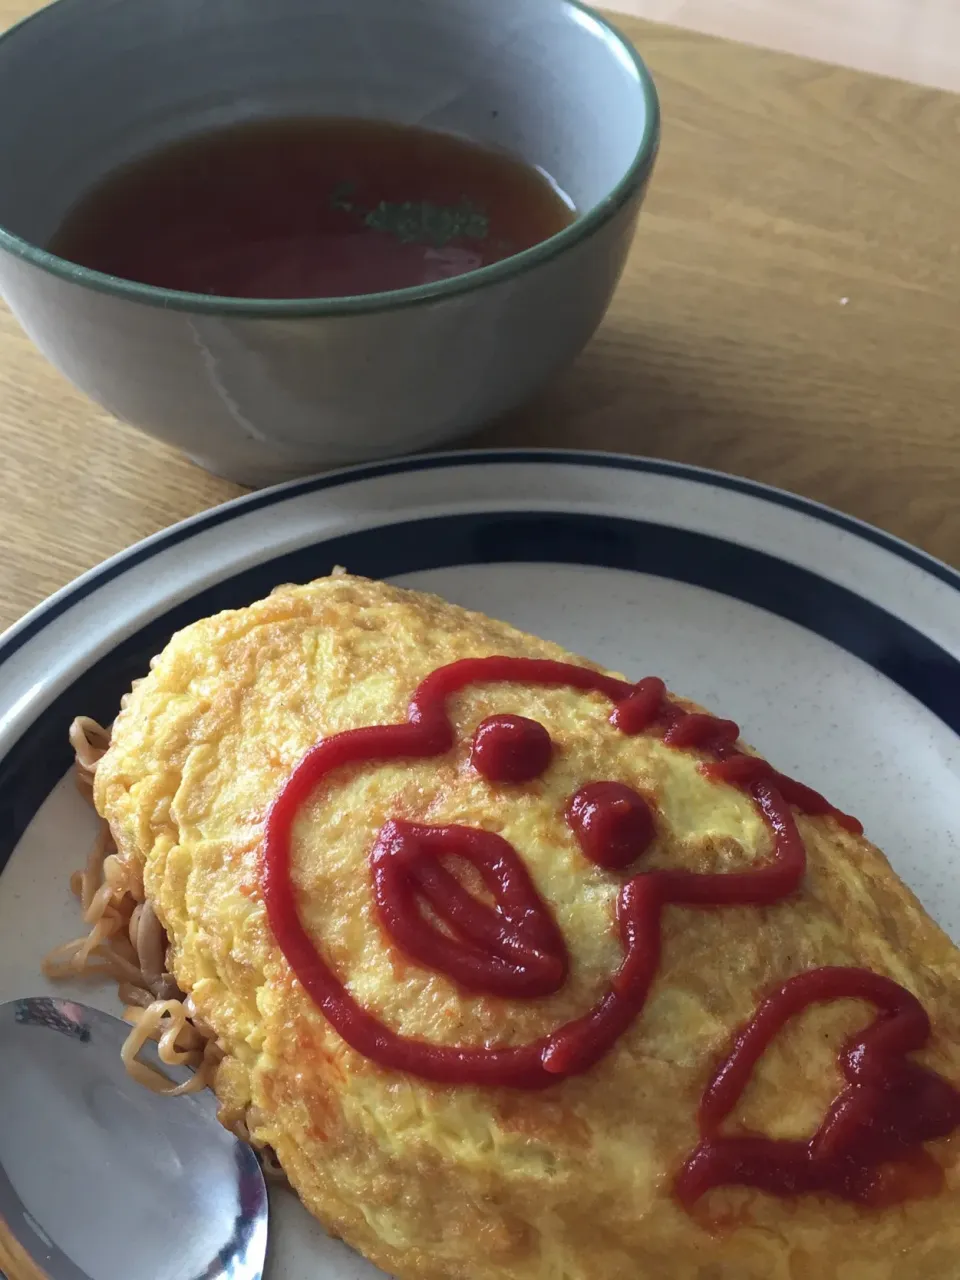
404, 863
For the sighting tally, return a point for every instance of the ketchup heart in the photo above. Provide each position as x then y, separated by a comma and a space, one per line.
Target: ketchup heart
868, 1147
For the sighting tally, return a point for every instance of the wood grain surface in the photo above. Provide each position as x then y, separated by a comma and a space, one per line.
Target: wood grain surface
790, 312
916, 40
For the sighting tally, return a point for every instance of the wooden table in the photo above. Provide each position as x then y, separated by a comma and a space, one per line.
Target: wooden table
790, 312
915, 40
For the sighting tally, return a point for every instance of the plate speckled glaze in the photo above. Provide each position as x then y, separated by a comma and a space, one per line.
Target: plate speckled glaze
835, 646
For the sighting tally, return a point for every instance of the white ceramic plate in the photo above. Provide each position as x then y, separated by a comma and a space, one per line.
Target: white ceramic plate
835, 646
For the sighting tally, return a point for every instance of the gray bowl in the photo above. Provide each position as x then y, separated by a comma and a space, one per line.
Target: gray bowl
263, 390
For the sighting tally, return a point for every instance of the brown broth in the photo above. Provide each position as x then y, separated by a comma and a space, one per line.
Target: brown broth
311, 208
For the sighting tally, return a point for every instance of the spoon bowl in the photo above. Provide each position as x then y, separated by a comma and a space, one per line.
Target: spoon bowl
100, 1179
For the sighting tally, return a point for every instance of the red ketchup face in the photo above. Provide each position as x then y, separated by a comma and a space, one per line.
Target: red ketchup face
513, 949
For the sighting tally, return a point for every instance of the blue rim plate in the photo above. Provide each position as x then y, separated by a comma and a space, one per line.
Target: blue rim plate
835, 645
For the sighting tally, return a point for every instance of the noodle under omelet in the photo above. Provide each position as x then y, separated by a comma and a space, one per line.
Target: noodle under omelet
520, 1047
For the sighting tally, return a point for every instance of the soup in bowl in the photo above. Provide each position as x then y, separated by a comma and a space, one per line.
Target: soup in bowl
292, 236
311, 207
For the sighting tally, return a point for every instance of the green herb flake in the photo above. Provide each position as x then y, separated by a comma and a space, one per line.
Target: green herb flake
421, 222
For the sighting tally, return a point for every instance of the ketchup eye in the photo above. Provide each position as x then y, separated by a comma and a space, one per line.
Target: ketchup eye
613, 823
510, 749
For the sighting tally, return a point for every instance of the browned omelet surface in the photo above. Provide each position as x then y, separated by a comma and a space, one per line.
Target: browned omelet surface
439, 1183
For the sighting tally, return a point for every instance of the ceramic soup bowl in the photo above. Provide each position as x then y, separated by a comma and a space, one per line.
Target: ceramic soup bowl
262, 390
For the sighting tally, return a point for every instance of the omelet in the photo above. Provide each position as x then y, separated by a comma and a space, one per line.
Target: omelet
436, 1179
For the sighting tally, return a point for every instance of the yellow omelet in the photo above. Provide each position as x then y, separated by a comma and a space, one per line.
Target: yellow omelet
447, 1182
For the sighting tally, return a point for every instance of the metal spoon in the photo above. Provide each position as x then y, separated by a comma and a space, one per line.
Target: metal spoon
100, 1179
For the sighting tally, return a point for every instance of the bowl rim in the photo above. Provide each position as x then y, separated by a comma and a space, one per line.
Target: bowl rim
633, 178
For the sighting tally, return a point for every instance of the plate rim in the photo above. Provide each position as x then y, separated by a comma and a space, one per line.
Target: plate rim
56, 604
